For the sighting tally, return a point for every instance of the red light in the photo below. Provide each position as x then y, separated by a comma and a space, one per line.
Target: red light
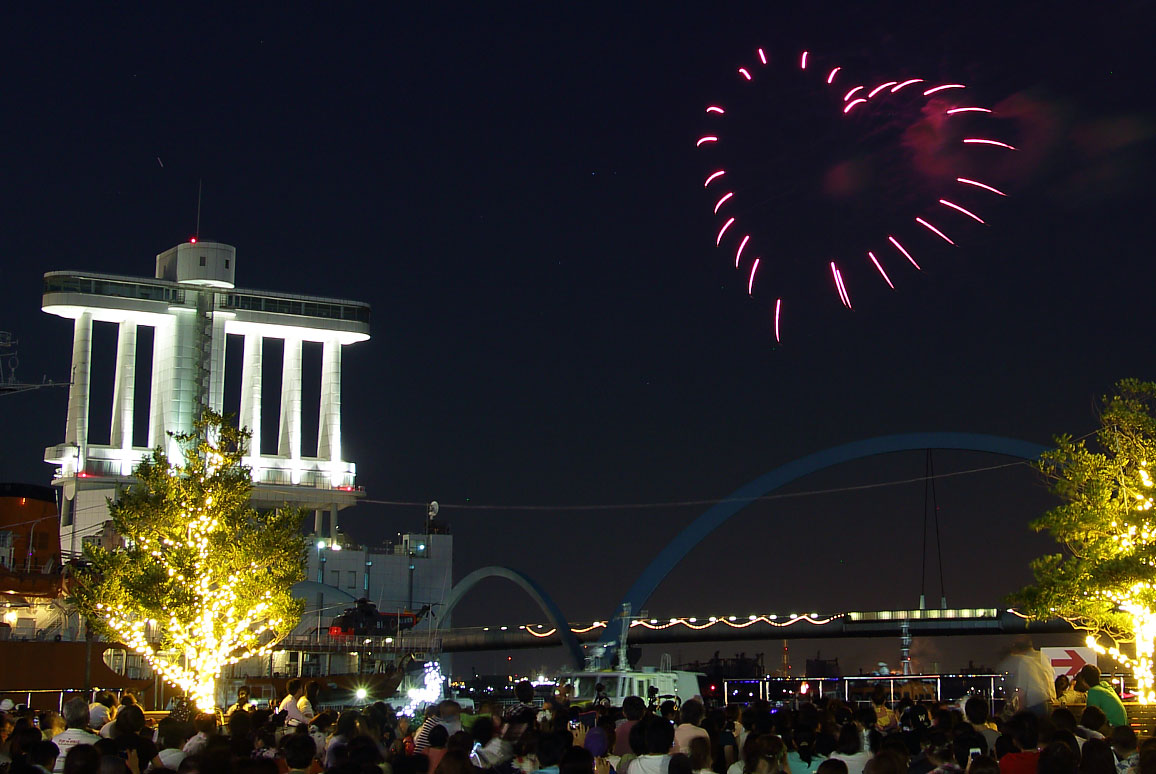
714, 688
193, 241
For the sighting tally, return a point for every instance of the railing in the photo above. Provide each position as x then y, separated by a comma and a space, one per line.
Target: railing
57, 282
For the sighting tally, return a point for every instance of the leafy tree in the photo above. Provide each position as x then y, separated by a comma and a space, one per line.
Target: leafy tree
1103, 580
203, 579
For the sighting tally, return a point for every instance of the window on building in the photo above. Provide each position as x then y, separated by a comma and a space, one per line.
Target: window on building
336, 574
202, 260
352, 580
226, 263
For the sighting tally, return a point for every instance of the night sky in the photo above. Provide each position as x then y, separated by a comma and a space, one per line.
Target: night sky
516, 191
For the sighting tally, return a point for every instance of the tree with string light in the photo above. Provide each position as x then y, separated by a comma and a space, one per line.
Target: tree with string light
202, 580
1104, 579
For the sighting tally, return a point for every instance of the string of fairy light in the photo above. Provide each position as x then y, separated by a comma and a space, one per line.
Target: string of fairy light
220, 634
693, 623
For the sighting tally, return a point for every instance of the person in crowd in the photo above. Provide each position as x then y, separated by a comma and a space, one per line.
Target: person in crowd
289, 705
447, 713
1096, 757
802, 757
42, 756
437, 740
832, 766
551, 748
205, 726
983, 764
658, 734
307, 704
886, 720
849, 749
1058, 758
20, 743
102, 709
1123, 740
346, 729
1023, 736
1066, 692
1101, 694
51, 723
1093, 723
171, 737
76, 721
80, 759
633, 708
701, 760
1029, 680
242, 702
130, 736
690, 728
524, 711
978, 714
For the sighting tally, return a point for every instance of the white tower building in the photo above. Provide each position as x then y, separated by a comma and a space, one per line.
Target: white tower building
192, 305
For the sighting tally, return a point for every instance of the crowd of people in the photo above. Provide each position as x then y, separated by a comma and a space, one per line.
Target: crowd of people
111, 735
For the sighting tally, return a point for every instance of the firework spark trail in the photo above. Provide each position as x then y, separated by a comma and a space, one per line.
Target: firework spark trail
713, 176
966, 212
751, 281
901, 249
978, 184
934, 230
879, 266
982, 141
723, 230
944, 87
739, 252
722, 201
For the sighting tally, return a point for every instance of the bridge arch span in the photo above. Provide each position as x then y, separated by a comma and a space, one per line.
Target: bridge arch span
535, 592
682, 544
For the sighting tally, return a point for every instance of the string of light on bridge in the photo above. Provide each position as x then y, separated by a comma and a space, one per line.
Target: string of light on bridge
655, 624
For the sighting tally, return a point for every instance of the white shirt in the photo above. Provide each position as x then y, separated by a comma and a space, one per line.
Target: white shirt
97, 714
855, 763
684, 733
68, 739
294, 716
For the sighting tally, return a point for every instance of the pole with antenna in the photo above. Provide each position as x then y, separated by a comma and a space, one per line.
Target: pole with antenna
197, 230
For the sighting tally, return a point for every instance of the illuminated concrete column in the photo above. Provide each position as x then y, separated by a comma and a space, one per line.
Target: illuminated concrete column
162, 348
329, 432
179, 381
289, 443
251, 391
217, 370
76, 430
124, 392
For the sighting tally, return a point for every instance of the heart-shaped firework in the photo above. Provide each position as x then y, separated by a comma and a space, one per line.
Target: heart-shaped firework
935, 125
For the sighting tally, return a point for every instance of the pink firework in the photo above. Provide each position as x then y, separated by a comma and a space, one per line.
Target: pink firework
736, 227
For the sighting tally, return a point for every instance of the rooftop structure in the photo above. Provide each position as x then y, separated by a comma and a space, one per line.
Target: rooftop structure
192, 304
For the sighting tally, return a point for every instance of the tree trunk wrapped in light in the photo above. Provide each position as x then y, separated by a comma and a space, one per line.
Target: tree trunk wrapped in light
203, 579
1104, 582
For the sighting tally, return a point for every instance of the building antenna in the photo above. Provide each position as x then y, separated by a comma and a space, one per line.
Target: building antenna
197, 231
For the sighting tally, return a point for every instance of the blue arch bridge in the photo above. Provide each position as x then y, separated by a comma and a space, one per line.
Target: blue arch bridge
594, 643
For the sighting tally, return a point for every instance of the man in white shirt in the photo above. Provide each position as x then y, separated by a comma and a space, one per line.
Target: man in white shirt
102, 709
76, 716
294, 716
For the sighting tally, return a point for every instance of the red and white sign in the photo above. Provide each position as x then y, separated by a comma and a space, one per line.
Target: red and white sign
1068, 661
